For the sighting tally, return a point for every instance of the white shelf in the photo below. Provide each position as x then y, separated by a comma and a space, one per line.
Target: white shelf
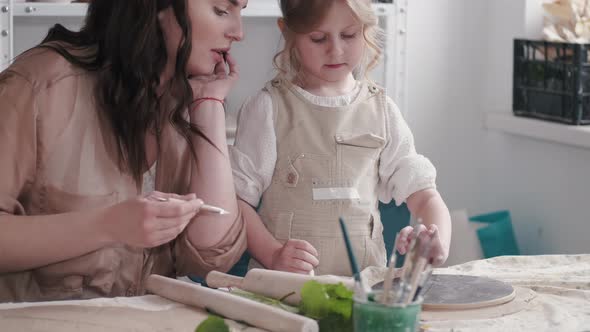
27, 9
259, 8
539, 129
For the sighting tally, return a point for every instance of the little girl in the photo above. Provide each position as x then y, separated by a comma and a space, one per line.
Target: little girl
317, 144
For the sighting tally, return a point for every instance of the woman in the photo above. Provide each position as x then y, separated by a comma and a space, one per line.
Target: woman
88, 116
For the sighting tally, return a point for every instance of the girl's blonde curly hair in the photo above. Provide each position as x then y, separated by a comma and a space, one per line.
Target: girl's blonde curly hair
302, 16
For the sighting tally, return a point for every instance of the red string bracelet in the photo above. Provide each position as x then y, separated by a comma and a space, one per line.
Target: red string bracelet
198, 101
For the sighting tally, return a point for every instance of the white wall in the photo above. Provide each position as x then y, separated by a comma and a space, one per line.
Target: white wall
460, 66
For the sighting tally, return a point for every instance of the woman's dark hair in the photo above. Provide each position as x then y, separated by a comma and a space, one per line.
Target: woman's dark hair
129, 57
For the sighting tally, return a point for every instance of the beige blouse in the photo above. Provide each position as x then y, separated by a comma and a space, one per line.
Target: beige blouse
57, 154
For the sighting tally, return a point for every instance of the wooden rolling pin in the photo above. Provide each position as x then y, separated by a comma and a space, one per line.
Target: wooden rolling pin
274, 284
230, 306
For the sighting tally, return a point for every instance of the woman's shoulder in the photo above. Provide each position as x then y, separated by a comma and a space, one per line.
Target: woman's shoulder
43, 66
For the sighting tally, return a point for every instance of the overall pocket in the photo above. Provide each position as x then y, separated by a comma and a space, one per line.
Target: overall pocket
360, 145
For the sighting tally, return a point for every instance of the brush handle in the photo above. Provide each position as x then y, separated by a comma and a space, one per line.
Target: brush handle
217, 279
353, 266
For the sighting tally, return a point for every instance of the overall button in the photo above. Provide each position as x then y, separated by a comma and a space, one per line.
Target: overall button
291, 178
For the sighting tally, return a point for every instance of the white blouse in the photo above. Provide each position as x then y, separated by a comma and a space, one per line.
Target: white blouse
402, 171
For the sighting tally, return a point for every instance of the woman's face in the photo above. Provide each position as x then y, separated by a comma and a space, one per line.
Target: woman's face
216, 24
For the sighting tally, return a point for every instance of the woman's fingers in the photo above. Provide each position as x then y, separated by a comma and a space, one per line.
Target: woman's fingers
162, 196
220, 69
219, 83
174, 207
169, 229
232, 64
161, 224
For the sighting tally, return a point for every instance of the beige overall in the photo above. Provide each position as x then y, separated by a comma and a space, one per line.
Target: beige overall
327, 167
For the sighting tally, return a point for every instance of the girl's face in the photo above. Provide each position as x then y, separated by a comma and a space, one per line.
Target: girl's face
216, 24
330, 52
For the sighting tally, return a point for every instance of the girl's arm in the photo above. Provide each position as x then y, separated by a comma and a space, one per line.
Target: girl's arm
429, 206
261, 244
408, 176
295, 255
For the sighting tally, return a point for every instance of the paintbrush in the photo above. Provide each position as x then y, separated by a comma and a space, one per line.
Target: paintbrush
361, 289
423, 245
204, 207
423, 280
409, 265
389, 275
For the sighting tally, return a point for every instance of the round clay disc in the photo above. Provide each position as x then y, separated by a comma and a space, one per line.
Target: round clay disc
460, 292
525, 299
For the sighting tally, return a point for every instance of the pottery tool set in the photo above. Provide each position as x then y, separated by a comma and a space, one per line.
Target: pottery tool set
438, 292
407, 288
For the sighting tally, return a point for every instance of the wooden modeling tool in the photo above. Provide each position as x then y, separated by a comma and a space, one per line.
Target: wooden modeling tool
405, 281
388, 281
423, 246
204, 207
425, 276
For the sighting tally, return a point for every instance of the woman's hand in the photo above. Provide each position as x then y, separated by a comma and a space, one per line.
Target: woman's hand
437, 254
152, 220
218, 84
296, 256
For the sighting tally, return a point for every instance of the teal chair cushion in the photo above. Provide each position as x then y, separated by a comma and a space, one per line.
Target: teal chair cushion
497, 238
394, 218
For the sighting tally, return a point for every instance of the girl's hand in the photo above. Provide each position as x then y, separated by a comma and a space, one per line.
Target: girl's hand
296, 256
406, 235
218, 84
437, 255
152, 220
